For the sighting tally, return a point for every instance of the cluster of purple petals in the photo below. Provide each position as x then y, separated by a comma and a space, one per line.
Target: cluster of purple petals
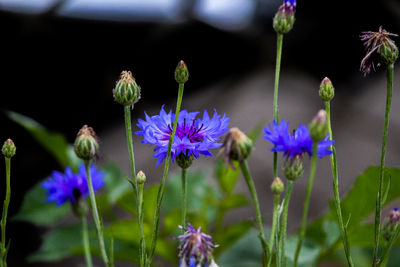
70, 186
193, 136
196, 248
298, 143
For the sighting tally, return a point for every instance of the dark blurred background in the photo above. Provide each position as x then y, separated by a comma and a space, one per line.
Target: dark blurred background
60, 60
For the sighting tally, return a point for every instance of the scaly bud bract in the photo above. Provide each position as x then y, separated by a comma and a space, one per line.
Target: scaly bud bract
140, 177
277, 186
284, 18
8, 149
389, 53
390, 225
126, 91
237, 146
184, 161
319, 126
293, 168
326, 90
86, 145
181, 73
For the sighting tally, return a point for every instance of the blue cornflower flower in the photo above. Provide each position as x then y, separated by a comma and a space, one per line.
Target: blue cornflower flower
68, 186
296, 144
193, 136
290, 2
196, 248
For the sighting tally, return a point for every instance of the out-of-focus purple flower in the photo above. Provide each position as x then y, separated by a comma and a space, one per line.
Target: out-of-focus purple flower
296, 144
196, 248
69, 186
193, 136
290, 2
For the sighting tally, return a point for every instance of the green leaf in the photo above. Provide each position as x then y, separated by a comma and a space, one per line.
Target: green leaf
34, 209
54, 143
226, 176
231, 234
308, 256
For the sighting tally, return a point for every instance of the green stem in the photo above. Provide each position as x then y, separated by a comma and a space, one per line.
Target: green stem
161, 189
85, 242
343, 230
184, 198
306, 203
388, 246
276, 87
128, 128
249, 180
4, 248
96, 217
141, 217
283, 227
274, 224
389, 80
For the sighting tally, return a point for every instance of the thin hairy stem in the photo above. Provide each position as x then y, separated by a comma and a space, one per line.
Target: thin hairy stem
85, 242
282, 237
275, 216
4, 248
276, 87
184, 197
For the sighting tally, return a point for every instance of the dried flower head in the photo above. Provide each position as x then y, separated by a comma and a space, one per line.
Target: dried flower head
237, 146
378, 43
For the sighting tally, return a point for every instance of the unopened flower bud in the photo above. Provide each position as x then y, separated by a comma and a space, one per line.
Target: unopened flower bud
326, 90
140, 177
293, 168
277, 186
390, 224
284, 18
126, 91
86, 145
389, 53
184, 161
8, 149
319, 126
237, 146
181, 73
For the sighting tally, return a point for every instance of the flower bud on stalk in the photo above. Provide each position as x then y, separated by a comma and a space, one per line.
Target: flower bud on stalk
277, 186
181, 73
319, 126
86, 145
237, 146
284, 18
126, 91
293, 168
184, 161
391, 223
8, 149
326, 90
140, 177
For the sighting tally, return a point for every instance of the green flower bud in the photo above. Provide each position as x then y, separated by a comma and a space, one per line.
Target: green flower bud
389, 52
389, 227
319, 126
284, 18
8, 149
293, 168
181, 73
326, 90
184, 161
277, 186
86, 145
126, 91
237, 146
140, 177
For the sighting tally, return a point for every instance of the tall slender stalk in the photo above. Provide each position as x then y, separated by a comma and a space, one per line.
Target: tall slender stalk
96, 217
128, 128
283, 227
343, 230
4, 248
249, 180
274, 224
161, 189
379, 204
306, 203
85, 242
142, 252
184, 197
276, 87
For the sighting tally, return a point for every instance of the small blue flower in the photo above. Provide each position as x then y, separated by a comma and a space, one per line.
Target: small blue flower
196, 248
290, 2
193, 136
68, 186
298, 143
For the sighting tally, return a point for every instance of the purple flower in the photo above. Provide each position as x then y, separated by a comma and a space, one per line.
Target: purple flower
68, 186
193, 136
196, 248
298, 143
290, 2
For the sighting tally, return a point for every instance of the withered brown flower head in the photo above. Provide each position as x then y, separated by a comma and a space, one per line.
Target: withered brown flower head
373, 42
